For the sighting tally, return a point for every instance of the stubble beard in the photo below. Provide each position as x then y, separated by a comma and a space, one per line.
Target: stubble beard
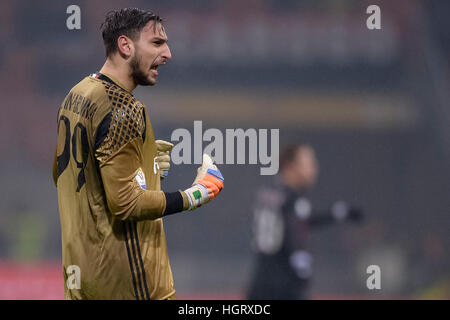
139, 76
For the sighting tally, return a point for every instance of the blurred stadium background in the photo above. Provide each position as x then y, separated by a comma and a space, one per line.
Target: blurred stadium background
374, 104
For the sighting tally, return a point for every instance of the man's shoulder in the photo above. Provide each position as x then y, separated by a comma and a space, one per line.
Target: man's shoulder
91, 90
109, 97
119, 120
117, 97
94, 89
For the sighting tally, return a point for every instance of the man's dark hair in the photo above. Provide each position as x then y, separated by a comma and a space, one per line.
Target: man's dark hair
128, 22
288, 154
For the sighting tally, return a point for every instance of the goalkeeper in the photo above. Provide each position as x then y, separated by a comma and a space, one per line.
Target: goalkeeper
108, 170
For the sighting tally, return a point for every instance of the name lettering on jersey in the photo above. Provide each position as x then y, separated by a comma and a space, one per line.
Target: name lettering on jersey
80, 105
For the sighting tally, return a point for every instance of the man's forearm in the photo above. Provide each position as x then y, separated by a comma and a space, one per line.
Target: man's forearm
151, 205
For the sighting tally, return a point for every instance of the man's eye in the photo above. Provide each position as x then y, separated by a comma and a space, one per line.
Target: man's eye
158, 42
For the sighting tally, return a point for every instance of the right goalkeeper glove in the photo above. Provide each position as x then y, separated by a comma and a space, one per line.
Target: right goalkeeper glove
207, 184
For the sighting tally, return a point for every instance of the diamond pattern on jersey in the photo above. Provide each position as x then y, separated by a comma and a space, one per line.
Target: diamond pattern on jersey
127, 121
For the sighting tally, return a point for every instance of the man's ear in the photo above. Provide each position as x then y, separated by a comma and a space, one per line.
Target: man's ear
125, 46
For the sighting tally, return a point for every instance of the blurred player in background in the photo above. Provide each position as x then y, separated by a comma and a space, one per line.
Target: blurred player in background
283, 215
108, 168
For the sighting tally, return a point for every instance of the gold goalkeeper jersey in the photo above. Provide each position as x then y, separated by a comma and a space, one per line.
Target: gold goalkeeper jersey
109, 196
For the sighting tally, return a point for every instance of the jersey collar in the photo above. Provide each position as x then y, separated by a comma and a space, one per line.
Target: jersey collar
103, 77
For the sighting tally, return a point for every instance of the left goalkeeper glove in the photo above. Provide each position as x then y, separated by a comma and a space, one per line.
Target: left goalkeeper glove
207, 184
162, 159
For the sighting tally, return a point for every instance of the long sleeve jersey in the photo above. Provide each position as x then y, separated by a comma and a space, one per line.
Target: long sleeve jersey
109, 196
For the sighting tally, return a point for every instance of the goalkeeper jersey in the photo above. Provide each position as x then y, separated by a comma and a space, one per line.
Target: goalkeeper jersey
109, 196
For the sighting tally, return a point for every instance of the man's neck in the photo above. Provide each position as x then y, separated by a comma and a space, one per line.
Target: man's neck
119, 74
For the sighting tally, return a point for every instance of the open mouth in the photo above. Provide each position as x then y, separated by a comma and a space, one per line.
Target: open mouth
154, 70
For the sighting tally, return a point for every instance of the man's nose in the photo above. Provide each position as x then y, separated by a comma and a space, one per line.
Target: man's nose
167, 54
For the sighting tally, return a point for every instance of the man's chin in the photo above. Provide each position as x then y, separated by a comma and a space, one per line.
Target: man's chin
142, 79
146, 84
151, 81
146, 81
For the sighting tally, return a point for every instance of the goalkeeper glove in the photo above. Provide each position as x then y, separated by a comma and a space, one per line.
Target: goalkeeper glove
207, 184
162, 159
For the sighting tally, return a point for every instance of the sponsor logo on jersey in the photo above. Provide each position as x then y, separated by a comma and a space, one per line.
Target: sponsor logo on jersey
140, 178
